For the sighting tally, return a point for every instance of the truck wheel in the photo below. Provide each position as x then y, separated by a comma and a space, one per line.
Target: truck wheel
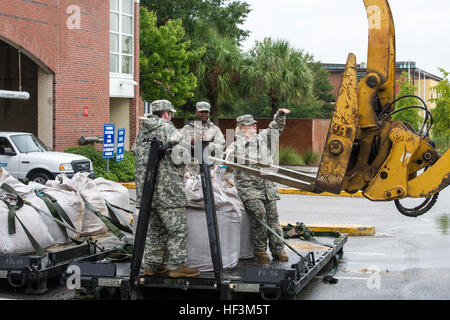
39, 177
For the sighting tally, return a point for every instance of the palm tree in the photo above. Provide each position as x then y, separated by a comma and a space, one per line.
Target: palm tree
218, 71
275, 69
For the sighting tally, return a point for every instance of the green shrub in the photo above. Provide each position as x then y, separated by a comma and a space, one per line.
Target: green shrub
289, 156
122, 171
311, 158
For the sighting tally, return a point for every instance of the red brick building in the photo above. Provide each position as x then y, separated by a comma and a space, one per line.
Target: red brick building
421, 79
78, 59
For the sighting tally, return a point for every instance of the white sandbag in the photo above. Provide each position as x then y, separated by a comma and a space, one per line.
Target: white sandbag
194, 193
117, 195
27, 193
53, 228
247, 247
199, 253
20, 187
91, 225
229, 209
72, 204
232, 202
19, 243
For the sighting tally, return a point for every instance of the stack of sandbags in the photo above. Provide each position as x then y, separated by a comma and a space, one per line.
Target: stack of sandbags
229, 211
35, 223
86, 188
61, 193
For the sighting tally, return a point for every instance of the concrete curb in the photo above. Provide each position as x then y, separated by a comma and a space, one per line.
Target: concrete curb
350, 229
129, 185
132, 185
302, 192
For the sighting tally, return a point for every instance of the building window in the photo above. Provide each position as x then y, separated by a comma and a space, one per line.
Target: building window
121, 36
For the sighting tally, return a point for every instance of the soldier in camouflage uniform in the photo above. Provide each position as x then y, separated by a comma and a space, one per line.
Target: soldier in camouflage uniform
259, 195
167, 234
203, 129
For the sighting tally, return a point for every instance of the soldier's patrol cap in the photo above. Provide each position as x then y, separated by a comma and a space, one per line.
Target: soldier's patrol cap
203, 106
162, 105
245, 120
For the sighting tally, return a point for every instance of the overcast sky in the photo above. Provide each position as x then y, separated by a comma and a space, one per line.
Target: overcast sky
330, 29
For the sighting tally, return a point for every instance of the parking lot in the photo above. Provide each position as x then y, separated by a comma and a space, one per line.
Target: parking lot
407, 258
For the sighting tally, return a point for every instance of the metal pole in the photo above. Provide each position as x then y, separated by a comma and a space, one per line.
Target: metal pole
20, 95
419, 83
211, 216
144, 211
20, 72
424, 86
409, 71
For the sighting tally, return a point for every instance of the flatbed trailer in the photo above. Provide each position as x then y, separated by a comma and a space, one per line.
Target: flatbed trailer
31, 272
275, 279
272, 280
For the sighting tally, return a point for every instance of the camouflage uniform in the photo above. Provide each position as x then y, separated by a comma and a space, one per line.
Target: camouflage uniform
259, 195
212, 133
167, 233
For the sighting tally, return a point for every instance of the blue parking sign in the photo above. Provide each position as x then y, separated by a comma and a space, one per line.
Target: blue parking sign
109, 132
120, 144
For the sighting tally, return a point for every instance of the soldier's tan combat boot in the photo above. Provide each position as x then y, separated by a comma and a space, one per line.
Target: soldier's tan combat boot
149, 271
261, 256
281, 256
184, 272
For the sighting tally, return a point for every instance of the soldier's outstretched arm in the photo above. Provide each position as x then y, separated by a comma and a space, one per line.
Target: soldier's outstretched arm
277, 124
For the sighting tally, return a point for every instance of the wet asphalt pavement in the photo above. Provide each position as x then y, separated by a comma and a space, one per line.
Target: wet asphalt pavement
407, 258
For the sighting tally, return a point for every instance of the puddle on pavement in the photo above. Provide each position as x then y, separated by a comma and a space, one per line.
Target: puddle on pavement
443, 222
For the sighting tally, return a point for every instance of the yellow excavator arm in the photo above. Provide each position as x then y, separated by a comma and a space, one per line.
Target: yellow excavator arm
365, 150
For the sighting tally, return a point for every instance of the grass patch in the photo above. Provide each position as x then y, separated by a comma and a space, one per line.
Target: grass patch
311, 158
290, 156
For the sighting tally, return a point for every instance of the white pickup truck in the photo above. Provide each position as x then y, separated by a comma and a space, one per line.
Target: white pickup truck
25, 156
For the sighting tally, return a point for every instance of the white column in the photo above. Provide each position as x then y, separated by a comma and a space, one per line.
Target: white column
45, 107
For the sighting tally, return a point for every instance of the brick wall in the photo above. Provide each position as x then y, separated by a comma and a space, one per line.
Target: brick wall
83, 77
78, 58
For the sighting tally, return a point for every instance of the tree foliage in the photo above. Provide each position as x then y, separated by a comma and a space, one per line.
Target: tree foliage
223, 15
410, 116
218, 71
441, 113
277, 70
274, 74
165, 60
322, 89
